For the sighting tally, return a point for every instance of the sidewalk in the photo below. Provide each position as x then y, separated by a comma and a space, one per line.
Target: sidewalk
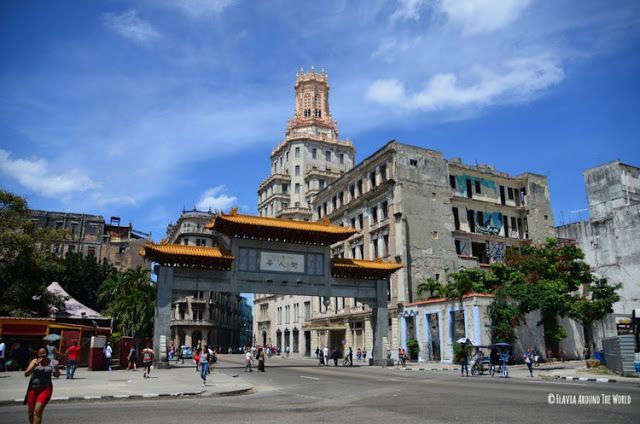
568, 370
121, 384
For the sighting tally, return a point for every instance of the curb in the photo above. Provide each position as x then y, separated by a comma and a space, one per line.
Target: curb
62, 399
572, 378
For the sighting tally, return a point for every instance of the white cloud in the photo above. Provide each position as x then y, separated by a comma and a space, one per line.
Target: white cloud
200, 8
477, 16
215, 199
36, 175
407, 10
517, 80
130, 26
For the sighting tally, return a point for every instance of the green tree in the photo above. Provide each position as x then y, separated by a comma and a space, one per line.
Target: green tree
594, 306
82, 277
552, 274
130, 297
26, 261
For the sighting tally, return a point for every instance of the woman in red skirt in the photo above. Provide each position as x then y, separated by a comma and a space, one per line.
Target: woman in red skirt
40, 386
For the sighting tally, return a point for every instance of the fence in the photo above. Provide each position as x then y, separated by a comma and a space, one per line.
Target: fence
619, 354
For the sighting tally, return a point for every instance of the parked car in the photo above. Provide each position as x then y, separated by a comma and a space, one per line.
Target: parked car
187, 352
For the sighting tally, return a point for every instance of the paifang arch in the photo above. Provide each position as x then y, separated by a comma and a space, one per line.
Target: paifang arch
270, 255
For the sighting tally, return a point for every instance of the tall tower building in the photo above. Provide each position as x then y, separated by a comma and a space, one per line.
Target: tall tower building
311, 155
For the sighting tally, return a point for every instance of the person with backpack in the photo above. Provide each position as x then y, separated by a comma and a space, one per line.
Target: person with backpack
147, 360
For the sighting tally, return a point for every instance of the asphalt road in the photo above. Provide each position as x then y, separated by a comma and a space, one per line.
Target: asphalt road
297, 391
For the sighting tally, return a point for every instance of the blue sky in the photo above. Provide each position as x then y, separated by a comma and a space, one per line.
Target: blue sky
141, 108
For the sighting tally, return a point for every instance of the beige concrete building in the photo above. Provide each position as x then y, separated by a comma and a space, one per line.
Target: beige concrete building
310, 157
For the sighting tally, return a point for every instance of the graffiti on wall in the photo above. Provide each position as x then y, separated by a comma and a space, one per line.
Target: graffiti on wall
461, 184
492, 223
497, 251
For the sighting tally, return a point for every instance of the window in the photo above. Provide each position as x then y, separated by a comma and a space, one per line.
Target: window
353, 223
372, 179
307, 311
91, 251
452, 181
458, 249
328, 155
341, 198
297, 170
93, 229
385, 210
375, 248
297, 188
360, 221
471, 220
456, 218
510, 193
374, 215
383, 172
334, 202
297, 152
477, 184
321, 183
319, 212
287, 156
480, 218
385, 245
352, 191
341, 156
359, 184
314, 153
285, 188
413, 162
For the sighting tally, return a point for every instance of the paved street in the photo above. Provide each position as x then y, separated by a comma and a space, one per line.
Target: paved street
297, 390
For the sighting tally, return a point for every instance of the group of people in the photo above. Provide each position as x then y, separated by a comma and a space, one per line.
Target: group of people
323, 356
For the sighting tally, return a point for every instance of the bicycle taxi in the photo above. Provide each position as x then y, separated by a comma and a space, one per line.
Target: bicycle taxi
504, 352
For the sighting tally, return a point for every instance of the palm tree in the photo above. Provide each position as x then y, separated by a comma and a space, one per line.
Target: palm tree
130, 299
430, 285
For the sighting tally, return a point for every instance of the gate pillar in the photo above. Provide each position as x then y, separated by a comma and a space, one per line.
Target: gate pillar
381, 324
162, 325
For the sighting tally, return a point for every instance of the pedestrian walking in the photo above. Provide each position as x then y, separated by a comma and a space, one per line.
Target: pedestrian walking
262, 355
318, 352
147, 360
334, 355
464, 366
72, 353
325, 355
350, 356
204, 365
247, 361
180, 356
108, 353
3, 353
528, 359
40, 386
196, 358
132, 359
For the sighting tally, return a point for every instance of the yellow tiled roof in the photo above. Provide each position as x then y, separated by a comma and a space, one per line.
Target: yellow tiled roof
181, 249
184, 255
360, 268
279, 229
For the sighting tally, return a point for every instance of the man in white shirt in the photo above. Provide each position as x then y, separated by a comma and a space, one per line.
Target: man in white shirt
247, 361
325, 354
108, 352
3, 349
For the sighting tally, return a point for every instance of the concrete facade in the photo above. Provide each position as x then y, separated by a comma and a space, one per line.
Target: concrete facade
610, 238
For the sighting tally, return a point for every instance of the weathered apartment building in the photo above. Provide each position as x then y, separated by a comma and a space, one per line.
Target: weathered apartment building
217, 319
437, 216
92, 236
410, 205
610, 238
